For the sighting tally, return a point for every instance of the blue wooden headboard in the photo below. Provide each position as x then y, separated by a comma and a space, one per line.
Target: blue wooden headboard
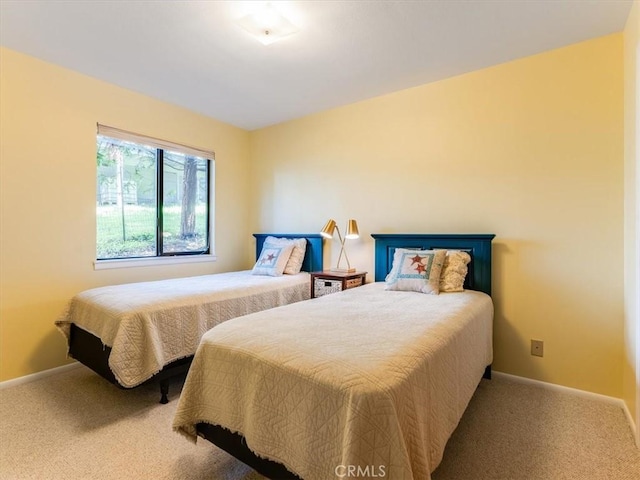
313, 257
477, 245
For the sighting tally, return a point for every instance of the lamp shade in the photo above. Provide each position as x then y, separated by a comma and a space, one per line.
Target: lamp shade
327, 230
352, 232
352, 229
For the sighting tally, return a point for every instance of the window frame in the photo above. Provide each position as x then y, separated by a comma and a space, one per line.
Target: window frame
161, 257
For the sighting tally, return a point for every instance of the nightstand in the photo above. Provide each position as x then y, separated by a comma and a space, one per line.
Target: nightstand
324, 283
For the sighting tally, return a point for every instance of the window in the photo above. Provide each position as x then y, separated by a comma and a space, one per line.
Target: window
153, 197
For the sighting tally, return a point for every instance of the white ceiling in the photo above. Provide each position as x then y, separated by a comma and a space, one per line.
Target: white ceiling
191, 53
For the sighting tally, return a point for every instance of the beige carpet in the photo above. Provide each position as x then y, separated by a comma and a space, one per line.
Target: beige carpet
76, 426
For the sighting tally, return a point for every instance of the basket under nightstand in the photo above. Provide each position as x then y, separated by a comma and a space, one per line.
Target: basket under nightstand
324, 283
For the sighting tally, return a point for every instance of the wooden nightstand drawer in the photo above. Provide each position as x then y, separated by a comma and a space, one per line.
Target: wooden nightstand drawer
324, 283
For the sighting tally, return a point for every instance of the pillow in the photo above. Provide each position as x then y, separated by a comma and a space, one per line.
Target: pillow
294, 264
273, 258
454, 271
416, 270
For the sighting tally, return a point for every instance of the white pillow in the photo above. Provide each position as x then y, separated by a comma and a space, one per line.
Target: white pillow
273, 258
416, 270
454, 271
294, 264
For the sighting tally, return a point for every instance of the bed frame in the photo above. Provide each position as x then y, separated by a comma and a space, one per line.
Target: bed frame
478, 278
91, 352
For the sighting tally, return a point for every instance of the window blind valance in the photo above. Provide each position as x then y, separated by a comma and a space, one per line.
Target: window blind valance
153, 142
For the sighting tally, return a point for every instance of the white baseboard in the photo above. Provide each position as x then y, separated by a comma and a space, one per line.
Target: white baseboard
574, 391
37, 376
560, 388
634, 430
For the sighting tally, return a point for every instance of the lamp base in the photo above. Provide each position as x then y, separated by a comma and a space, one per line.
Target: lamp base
343, 270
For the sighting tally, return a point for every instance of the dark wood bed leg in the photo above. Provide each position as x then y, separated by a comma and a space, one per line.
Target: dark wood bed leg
487, 373
164, 391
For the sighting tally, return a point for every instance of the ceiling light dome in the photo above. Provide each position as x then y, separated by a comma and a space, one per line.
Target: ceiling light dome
267, 24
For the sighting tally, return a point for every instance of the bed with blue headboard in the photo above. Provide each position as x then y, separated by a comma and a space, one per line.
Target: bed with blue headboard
477, 245
313, 258
103, 326
361, 345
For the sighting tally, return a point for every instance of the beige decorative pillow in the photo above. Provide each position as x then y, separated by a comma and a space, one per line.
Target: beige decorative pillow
454, 271
273, 258
416, 270
294, 264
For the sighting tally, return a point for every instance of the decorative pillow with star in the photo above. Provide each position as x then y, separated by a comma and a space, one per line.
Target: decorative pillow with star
273, 259
416, 270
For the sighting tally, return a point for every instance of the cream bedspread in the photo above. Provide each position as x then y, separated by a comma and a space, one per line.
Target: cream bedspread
151, 324
368, 378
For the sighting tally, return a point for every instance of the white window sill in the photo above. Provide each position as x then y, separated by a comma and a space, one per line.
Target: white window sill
151, 261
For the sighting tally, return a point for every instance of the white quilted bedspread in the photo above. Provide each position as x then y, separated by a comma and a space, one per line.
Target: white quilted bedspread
151, 324
367, 378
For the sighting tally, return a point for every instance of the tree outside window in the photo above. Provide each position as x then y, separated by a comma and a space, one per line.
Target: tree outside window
150, 201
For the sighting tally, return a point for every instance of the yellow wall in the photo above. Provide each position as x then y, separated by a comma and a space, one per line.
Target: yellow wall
631, 379
531, 150
48, 121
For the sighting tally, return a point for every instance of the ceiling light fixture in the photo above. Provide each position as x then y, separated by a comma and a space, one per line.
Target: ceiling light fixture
267, 24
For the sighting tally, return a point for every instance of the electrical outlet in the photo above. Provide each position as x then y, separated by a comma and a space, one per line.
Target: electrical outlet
537, 348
